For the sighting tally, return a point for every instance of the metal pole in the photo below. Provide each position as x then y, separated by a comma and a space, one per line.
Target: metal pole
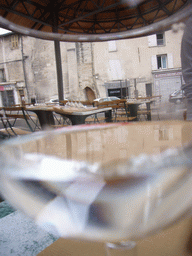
57, 54
153, 28
127, 93
24, 71
59, 70
121, 88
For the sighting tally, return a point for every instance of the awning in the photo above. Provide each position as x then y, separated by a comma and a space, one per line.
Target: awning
91, 20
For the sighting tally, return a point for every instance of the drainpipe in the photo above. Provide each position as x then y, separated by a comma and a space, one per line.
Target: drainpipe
24, 71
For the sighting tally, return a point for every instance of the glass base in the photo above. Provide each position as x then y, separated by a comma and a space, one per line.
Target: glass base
127, 248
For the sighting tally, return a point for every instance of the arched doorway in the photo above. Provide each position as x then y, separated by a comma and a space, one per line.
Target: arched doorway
89, 94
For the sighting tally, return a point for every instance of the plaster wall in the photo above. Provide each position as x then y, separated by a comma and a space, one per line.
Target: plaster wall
135, 58
84, 64
10, 60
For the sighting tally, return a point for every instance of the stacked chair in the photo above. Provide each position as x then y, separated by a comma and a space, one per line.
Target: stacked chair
16, 121
120, 112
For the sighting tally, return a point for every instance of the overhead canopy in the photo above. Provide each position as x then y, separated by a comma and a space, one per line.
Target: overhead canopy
91, 20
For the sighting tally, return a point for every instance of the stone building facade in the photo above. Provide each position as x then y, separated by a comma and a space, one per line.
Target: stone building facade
146, 65
124, 68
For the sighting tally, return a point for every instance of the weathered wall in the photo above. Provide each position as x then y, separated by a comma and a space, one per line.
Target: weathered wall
85, 67
13, 69
83, 64
134, 57
43, 68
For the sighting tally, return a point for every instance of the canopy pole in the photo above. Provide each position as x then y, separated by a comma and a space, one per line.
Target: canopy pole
59, 69
57, 52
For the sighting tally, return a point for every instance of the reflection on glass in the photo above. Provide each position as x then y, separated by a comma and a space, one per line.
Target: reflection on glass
115, 202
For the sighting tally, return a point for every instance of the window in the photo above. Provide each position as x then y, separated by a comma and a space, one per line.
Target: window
162, 61
8, 98
2, 75
160, 39
112, 46
14, 42
156, 40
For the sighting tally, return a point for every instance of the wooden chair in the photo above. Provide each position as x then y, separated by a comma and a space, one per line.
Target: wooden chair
87, 103
91, 119
122, 109
8, 129
60, 121
13, 131
102, 118
14, 114
121, 113
63, 102
143, 113
4, 133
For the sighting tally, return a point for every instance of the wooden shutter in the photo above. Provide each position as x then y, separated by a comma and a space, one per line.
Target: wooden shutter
170, 60
112, 46
152, 40
115, 68
154, 62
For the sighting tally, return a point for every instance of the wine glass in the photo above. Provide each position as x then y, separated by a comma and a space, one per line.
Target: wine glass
117, 202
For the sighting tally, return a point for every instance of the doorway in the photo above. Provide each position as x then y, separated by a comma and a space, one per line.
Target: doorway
8, 98
148, 88
90, 94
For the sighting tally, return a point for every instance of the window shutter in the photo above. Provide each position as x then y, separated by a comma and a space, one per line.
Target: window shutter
170, 60
112, 46
115, 66
152, 40
154, 62
14, 41
164, 61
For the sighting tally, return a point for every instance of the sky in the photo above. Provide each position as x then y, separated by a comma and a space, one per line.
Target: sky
3, 31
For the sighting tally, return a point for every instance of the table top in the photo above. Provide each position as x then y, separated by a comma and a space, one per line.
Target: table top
149, 97
79, 111
39, 107
133, 102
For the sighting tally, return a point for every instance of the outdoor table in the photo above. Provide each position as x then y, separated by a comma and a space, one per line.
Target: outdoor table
78, 115
133, 107
44, 114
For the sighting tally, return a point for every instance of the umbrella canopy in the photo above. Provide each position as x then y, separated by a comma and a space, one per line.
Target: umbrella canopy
91, 20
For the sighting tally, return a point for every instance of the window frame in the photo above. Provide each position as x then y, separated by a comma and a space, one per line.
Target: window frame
160, 57
2, 76
160, 41
14, 41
